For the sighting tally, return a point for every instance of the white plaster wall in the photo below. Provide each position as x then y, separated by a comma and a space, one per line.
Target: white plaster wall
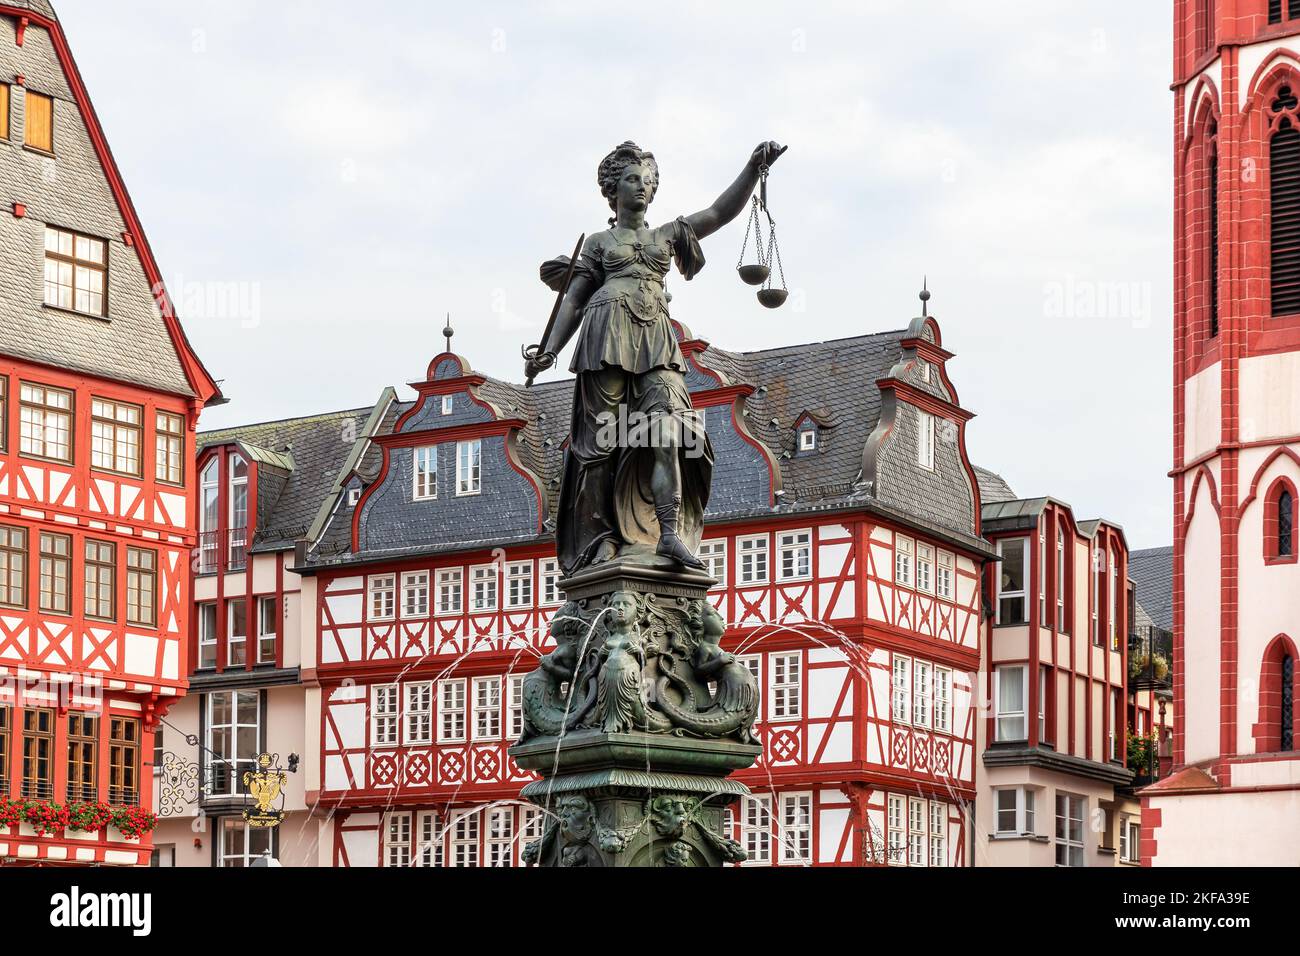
1203, 427
1201, 630
1229, 829
1270, 400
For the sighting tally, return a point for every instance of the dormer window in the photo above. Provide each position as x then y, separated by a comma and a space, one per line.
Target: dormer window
808, 439
447, 404
469, 467
354, 496
425, 477
238, 514
76, 271
925, 440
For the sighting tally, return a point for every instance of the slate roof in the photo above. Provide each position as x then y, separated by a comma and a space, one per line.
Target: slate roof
1152, 571
993, 487
42, 7
288, 500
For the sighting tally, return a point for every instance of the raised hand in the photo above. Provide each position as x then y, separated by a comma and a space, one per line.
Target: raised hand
766, 154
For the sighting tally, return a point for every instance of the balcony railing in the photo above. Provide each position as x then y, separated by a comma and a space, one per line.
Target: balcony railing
1151, 657
237, 549
216, 547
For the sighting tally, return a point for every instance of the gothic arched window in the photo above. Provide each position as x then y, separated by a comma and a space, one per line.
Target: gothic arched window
1284, 195
1285, 524
1212, 192
1288, 702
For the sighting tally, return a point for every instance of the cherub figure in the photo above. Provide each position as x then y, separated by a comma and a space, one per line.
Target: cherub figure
736, 690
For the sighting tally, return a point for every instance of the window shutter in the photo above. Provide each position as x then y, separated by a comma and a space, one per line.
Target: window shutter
4, 110
1292, 10
40, 122
1274, 11
1284, 171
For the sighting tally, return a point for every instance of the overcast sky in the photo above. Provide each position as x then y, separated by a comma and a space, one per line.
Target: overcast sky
355, 172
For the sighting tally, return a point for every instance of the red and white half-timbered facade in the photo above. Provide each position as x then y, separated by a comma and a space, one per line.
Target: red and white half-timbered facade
99, 399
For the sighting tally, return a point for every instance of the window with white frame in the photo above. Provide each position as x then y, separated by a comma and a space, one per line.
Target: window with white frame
451, 711
1042, 576
234, 739
1061, 583
1013, 572
1011, 697
483, 596
487, 708
1112, 618
808, 439
383, 597
519, 584
550, 573
943, 700
268, 626
530, 825
1013, 811
514, 706
943, 575
424, 481
207, 614
236, 633
902, 695
921, 691
756, 829
499, 842
896, 827
448, 404
1130, 840
903, 549
917, 832
925, 440
397, 839
795, 555
786, 687
383, 715
796, 828
714, 555
1098, 569
1043, 686
242, 844
449, 591
924, 568
469, 467
1114, 724
464, 840
415, 594
428, 851
753, 559
419, 713
1069, 830
754, 664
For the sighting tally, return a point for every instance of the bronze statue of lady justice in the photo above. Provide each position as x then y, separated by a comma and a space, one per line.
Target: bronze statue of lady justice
639, 464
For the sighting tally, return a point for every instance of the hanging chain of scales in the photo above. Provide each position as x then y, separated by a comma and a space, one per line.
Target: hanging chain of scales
760, 273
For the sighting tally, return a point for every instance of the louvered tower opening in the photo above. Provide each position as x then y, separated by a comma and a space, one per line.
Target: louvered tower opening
1274, 11
1205, 24
1284, 176
1212, 189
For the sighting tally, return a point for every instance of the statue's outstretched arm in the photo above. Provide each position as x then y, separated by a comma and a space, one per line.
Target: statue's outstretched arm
732, 202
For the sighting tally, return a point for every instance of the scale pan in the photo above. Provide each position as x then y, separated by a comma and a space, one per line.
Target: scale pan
754, 274
772, 298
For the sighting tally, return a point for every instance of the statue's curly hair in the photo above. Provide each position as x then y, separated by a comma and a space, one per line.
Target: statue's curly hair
612, 166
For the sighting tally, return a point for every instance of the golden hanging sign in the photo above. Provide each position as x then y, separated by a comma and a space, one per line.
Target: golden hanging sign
265, 785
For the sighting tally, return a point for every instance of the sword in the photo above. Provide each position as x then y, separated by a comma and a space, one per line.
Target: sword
533, 351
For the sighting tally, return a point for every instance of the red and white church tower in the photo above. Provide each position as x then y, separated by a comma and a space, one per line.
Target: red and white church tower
1234, 796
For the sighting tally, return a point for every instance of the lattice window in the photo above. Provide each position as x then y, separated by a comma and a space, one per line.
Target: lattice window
449, 591
383, 715
938, 833
487, 708
787, 686
469, 467
415, 594
924, 568
519, 585
484, 595
753, 559
76, 271
515, 710
419, 713
903, 549
550, 572
464, 840
796, 828
55, 573
756, 830
917, 832
383, 597
451, 711
424, 474
1069, 830
901, 712
45, 422
500, 838
1288, 702
943, 699
795, 555
397, 841
100, 571
428, 851
896, 827
921, 691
